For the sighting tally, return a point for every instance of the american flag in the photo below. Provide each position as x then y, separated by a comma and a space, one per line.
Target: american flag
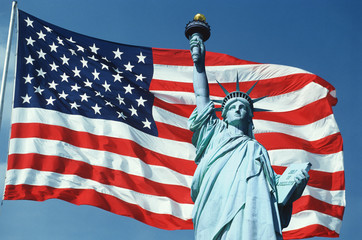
105, 124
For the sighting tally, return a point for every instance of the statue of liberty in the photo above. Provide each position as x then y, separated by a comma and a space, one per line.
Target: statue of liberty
234, 185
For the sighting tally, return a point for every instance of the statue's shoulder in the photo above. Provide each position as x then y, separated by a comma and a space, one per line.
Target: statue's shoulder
255, 144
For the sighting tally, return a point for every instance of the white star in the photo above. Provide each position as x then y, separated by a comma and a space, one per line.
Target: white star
38, 90
117, 77
28, 79
41, 54
93, 48
64, 77
140, 77
141, 58
75, 87
88, 83
29, 22
41, 35
74, 105
133, 111
48, 29
105, 58
106, 86
117, 54
84, 97
54, 66
128, 67
40, 72
26, 99
146, 124
72, 51
50, 100
84, 62
141, 101
128, 89
117, 70
95, 74
80, 48
121, 115
97, 109
76, 72
60, 41
109, 103
53, 47
70, 40
98, 94
121, 100
65, 60
93, 58
29, 41
63, 95
53, 85
104, 66
29, 60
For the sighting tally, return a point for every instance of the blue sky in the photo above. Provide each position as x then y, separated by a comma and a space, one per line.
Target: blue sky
323, 37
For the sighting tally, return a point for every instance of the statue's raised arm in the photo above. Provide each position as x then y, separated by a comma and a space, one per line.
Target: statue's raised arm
201, 87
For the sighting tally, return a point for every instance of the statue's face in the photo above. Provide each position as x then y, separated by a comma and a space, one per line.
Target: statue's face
237, 113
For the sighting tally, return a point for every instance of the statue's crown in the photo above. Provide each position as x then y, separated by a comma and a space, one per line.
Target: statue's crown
239, 94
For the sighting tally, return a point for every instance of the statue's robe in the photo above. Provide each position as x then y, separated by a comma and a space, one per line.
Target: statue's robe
234, 184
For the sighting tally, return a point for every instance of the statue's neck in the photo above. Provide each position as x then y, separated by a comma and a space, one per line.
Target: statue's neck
239, 129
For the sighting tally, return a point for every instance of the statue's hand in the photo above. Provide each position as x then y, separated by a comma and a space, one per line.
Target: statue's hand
197, 49
301, 179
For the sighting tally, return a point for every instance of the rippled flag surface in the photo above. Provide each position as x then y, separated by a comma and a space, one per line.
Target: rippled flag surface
105, 124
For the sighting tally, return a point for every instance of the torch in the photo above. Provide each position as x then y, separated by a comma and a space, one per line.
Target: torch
200, 27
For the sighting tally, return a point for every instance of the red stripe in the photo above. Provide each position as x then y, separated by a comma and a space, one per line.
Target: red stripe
115, 145
270, 87
302, 116
179, 109
174, 133
314, 230
100, 174
311, 203
330, 144
319, 179
183, 58
104, 201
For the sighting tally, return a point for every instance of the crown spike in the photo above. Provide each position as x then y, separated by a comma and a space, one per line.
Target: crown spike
222, 87
258, 99
261, 110
237, 82
251, 89
217, 101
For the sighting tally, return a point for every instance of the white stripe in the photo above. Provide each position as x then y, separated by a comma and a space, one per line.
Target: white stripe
156, 204
108, 128
321, 162
334, 197
310, 217
164, 116
250, 72
310, 132
110, 160
280, 103
171, 97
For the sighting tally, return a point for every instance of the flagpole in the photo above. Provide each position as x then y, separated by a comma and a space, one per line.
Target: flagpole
6, 62
5, 72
